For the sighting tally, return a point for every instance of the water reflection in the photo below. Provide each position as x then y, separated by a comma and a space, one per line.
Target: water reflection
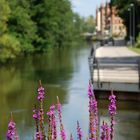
19, 83
127, 119
64, 73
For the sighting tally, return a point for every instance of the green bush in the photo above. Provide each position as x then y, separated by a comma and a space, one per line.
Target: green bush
9, 47
137, 45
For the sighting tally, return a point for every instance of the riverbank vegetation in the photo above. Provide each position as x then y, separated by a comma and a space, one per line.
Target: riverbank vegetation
137, 50
136, 47
28, 27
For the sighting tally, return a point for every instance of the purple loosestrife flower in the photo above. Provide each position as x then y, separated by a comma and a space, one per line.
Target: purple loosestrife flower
79, 131
91, 119
50, 114
93, 113
52, 132
41, 120
59, 108
71, 138
11, 132
40, 97
112, 105
92, 139
41, 93
36, 114
54, 129
108, 132
90, 90
112, 111
63, 134
105, 134
52, 108
38, 136
49, 125
93, 105
16, 136
36, 117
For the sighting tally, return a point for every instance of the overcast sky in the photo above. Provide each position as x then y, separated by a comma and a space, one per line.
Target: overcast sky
86, 7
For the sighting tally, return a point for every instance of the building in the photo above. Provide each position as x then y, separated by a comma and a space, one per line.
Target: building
108, 23
118, 28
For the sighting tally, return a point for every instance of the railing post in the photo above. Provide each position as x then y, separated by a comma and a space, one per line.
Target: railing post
139, 71
98, 73
93, 64
90, 61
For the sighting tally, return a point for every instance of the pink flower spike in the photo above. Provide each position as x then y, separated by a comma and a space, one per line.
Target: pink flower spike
90, 90
36, 114
11, 132
105, 131
63, 135
52, 108
41, 92
38, 136
112, 106
79, 131
71, 138
112, 111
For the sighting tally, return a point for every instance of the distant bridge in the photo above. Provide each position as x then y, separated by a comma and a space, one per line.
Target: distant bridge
87, 34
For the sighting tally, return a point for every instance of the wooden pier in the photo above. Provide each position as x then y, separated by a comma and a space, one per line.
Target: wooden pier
115, 68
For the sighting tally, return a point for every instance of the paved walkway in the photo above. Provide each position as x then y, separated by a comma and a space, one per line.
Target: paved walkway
115, 52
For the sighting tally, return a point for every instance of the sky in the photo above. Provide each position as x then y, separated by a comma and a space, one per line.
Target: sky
86, 7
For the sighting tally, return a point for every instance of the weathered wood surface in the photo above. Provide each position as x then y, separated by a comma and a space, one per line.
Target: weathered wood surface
123, 75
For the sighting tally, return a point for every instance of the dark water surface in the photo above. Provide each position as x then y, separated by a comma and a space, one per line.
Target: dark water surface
64, 73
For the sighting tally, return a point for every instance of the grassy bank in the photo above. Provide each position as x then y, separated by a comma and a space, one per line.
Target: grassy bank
137, 50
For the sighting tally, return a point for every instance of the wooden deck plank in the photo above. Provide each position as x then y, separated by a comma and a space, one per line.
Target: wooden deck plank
116, 65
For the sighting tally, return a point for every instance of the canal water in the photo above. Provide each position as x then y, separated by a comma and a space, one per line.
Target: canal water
64, 73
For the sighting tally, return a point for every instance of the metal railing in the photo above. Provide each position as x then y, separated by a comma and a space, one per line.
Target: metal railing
139, 71
93, 64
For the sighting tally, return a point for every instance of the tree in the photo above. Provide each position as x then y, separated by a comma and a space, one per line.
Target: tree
54, 22
123, 6
28, 26
4, 14
90, 24
9, 46
21, 25
78, 25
